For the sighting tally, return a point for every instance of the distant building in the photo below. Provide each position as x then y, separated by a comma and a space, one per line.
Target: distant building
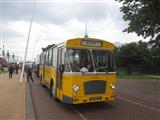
2, 62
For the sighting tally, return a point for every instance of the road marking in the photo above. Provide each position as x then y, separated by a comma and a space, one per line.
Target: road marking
79, 114
142, 105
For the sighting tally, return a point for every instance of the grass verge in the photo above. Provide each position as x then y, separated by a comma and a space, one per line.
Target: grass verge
122, 75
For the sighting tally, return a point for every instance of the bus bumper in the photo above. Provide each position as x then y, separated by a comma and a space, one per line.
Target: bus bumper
79, 100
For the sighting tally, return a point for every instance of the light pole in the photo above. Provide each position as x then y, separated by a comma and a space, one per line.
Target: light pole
26, 50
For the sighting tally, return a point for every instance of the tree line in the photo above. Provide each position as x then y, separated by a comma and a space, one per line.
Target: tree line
139, 57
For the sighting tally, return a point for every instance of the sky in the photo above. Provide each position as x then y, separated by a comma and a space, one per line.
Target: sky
56, 21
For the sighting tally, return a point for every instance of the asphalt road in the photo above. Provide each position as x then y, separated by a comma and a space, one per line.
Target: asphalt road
136, 100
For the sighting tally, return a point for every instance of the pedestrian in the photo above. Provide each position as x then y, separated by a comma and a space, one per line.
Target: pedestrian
10, 69
29, 74
17, 68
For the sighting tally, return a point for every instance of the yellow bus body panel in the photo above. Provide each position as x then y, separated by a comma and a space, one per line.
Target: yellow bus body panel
70, 80
76, 43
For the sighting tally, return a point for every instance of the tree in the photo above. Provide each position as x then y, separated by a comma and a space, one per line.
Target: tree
46, 48
127, 56
133, 57
143, 17
138, 57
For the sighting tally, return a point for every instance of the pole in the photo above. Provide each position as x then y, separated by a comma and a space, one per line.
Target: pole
26, 50
1, 42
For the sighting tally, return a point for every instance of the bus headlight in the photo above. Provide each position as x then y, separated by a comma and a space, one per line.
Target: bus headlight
75, 88
113, 86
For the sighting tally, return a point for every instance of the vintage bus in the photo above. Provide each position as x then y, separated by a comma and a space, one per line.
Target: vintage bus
79, 70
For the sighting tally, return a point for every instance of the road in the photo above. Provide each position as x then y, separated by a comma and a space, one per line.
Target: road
136, 100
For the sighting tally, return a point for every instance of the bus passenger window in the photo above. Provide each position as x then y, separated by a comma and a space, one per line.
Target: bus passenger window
55, 57
50, 58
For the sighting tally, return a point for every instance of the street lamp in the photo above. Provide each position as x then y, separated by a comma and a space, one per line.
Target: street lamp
28, 38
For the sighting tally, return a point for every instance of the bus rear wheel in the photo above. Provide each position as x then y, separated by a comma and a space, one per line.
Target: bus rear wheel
41, 81
52, 92
51, 89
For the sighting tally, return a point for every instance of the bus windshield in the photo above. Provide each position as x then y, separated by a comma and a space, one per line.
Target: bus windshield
80, 60
103, 60
85, 60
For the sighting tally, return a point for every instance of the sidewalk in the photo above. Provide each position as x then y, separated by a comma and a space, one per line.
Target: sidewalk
12, 98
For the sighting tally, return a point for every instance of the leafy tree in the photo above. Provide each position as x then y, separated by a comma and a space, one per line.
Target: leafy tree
46, 48
138, 57
133, 56
127, 56
143, 17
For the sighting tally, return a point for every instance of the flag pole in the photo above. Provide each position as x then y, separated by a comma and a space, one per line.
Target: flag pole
28, 38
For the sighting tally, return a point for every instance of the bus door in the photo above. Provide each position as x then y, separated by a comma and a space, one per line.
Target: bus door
60, 63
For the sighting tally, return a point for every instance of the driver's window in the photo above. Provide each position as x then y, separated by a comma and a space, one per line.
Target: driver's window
66, 64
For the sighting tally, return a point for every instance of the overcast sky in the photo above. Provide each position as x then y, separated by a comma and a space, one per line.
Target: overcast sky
55, 22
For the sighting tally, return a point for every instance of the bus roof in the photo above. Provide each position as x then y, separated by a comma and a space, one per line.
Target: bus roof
89, 42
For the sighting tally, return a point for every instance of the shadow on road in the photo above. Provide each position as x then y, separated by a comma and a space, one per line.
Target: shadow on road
95, 106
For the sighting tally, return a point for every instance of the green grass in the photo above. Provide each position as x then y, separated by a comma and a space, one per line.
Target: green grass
136, 77
122, 75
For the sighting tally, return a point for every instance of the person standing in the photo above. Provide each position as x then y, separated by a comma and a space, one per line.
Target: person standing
10, 69
29, 74
17, 68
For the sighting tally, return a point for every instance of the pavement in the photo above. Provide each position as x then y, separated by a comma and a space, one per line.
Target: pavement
12, 98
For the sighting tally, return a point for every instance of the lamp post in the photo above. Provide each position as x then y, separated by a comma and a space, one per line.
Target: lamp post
26, 50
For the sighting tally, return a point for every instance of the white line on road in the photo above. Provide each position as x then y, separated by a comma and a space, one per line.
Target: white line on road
76, 111
142, 105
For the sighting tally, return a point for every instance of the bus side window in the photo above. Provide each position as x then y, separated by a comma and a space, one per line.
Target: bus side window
44, 59
47, 59
55, 57
50, 58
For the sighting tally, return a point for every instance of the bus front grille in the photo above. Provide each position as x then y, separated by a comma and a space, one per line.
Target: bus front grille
95, 87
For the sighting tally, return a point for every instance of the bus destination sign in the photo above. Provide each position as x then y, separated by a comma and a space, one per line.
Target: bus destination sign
91, 43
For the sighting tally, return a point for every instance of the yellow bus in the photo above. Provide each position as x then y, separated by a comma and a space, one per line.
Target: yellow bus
79, 70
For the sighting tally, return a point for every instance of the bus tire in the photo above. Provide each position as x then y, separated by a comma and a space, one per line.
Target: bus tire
51, 89
41, 82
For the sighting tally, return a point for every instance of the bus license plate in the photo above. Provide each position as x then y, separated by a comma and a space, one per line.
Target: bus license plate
95, 98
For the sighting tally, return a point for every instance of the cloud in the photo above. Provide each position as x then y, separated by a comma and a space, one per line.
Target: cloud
59, 13
44, 34
57, 22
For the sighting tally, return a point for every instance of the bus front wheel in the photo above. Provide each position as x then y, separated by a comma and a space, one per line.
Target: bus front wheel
52, 92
